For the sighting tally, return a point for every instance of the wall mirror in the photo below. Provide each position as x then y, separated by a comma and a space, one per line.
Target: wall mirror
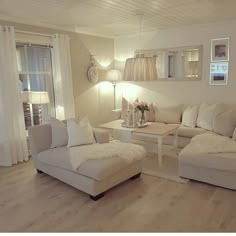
182, 63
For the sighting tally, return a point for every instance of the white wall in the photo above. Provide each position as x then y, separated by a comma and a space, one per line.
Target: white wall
169, 92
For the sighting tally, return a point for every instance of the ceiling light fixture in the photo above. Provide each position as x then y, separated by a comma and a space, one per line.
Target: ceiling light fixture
140, 68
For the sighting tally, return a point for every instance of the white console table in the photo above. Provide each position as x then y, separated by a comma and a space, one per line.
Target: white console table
153, 130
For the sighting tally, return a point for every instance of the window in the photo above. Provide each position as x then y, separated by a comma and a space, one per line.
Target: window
36, 75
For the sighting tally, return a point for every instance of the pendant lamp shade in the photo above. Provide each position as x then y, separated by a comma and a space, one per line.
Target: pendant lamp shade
140, 69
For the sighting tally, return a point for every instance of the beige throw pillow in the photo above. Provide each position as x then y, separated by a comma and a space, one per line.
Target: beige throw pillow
59, 133
207, 114
190, 117
234, 135
169, 115
79, 134
150, 115
225, 123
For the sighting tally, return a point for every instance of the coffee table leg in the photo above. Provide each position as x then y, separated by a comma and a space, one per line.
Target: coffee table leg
160, 151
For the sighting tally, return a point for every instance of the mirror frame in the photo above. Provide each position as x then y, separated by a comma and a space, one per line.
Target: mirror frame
154, 52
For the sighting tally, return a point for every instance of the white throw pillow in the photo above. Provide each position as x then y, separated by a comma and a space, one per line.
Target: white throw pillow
79, 134
190, 117
234, 135
225, 123
169, 115
59, 133
207, 114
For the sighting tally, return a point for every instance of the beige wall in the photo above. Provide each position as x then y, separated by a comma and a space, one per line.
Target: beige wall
166, 92
90, 99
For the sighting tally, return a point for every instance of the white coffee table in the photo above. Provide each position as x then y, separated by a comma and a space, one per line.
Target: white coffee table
153, 130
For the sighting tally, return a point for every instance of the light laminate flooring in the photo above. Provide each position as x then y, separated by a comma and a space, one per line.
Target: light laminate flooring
31, 202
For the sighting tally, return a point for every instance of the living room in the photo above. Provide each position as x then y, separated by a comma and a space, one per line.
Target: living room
73, 139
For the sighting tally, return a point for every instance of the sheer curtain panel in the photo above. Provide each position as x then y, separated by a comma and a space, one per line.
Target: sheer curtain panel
13, 145
63, 87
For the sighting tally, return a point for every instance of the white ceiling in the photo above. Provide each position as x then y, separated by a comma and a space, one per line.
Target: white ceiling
116, 17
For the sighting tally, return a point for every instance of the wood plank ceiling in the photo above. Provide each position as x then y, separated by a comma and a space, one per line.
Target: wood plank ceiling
116, 17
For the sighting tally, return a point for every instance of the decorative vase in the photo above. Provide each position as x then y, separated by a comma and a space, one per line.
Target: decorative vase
142, 120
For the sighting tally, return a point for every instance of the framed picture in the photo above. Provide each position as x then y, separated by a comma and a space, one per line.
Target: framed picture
219, 73
220, 49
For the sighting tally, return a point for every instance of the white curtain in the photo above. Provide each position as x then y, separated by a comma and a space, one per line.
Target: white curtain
13, 145
63, 87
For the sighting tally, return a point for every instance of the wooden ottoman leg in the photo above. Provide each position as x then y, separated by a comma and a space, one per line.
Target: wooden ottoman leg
136, 176
97, 197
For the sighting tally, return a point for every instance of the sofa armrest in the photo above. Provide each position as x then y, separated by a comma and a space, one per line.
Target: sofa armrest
40, 138
101, 135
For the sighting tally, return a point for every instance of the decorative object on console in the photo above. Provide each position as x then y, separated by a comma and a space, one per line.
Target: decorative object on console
126, 105
92, 71
141, 106
35, 98
140, 68
114, 76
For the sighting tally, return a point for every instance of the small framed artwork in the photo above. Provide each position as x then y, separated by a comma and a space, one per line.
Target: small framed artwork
219, 73
220, 49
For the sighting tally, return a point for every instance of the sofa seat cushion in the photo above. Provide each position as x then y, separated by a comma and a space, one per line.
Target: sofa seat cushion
190, 155
96, 169
190, 132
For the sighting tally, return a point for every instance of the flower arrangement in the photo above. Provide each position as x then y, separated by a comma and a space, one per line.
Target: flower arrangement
141, 106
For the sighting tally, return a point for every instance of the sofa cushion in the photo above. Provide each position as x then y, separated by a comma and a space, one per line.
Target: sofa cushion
59, 133
169, 115
95, 169
190, 116
207, 114
221, 161
190, 132
225, 123
59, 157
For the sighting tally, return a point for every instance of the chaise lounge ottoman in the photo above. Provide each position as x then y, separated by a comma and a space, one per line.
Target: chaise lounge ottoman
94, 176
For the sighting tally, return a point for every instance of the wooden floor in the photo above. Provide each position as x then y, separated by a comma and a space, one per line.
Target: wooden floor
39, 203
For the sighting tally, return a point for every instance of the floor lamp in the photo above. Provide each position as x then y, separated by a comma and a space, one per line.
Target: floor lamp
114, 76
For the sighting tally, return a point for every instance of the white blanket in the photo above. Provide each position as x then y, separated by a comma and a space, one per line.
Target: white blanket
127, 151
212, 143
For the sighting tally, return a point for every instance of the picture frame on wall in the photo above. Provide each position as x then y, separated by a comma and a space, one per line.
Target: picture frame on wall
219, 73
220, 49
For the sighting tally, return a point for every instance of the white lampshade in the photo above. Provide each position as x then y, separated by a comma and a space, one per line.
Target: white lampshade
113, 75
35, 97
140, 69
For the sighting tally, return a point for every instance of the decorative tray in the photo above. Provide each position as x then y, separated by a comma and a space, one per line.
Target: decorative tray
136, 126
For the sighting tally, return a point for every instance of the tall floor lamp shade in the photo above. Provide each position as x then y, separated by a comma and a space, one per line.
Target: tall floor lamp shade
114, 76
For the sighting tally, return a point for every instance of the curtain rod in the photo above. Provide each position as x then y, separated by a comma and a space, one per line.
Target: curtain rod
34, 33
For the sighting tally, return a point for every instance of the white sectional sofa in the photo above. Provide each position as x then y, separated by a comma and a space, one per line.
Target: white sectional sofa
200, 162
95, 176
